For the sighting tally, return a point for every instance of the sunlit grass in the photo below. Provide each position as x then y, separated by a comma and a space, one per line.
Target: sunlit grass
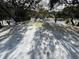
37, 25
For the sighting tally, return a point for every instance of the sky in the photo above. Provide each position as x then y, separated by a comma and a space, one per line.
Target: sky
45, 5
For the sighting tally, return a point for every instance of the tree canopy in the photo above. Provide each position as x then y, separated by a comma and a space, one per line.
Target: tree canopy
66, 2
17, 9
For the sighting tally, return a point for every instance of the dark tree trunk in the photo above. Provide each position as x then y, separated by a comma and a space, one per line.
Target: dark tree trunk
55, 20
8, 23
72, 21
1, 25
77, 24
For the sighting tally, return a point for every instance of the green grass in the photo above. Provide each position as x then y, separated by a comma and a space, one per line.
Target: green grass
37, 25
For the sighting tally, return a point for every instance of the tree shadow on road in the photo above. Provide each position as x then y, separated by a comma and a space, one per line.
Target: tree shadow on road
55, 43
15, 36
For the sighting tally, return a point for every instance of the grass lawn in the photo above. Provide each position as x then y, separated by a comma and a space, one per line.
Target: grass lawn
37, 25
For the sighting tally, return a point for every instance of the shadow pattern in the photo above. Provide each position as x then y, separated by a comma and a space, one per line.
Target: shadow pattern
14, 38
55, 42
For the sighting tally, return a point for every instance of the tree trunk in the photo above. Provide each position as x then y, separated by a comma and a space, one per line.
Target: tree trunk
8, 23
0, 25
55, 19
77, 24
72, 21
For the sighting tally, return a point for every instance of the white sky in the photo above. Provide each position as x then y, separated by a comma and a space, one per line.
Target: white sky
45, 5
